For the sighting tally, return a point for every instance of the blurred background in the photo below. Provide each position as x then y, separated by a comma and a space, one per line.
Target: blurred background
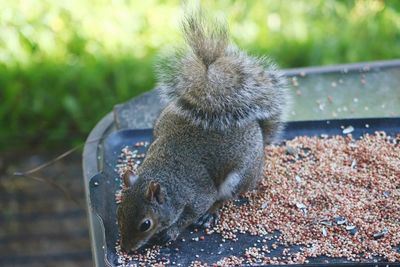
65, 64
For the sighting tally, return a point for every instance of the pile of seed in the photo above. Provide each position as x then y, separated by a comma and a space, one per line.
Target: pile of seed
129, 160
335, 196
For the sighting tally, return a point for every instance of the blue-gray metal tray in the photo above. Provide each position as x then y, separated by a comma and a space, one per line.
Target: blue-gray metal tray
104, 185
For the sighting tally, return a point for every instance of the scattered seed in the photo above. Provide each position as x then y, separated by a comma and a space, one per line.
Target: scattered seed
353, 231
300, 205
353, 164
380, 234
327, 223
264, 205
291, 150
294, 81
324, 232
330, 189
348, 129
340, 220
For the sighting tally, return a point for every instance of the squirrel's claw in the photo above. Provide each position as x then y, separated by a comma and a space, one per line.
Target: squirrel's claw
207, 220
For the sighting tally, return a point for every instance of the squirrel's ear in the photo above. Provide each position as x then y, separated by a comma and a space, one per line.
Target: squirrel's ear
154, 192
129, 178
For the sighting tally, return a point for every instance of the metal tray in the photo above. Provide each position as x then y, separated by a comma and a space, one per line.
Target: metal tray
104, 185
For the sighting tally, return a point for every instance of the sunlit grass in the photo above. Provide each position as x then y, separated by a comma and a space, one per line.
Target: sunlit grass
64, 64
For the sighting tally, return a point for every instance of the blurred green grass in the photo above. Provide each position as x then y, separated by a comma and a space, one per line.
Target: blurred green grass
63, 65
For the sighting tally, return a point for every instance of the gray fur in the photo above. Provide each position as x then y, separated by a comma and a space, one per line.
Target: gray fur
215, 85
224, 106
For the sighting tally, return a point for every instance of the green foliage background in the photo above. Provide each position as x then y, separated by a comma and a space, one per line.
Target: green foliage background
64, 64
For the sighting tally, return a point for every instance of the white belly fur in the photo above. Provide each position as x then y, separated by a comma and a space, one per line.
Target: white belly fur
228, 186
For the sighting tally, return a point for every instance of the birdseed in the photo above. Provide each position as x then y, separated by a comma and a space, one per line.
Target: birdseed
336, 196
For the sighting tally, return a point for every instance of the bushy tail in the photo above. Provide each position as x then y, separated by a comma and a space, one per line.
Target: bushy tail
214, 84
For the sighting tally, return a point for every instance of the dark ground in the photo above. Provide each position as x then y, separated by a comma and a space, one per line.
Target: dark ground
39, 224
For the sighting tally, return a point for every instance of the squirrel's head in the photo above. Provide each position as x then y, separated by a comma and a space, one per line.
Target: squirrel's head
140, 212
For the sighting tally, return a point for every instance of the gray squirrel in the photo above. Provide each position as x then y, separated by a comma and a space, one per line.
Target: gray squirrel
223, 107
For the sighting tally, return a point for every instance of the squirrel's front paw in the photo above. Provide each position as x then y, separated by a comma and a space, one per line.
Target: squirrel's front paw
166, 236
207, 220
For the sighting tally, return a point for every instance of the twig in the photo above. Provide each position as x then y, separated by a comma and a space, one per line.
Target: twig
65, 192
48, 163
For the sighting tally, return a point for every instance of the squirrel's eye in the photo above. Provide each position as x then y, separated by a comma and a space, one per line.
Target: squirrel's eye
146, 224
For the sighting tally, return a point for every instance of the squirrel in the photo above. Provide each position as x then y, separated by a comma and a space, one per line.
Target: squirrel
223, 107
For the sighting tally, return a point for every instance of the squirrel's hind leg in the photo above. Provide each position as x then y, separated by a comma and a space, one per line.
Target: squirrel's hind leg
271, 129
228, 189
252, 173
211, 217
